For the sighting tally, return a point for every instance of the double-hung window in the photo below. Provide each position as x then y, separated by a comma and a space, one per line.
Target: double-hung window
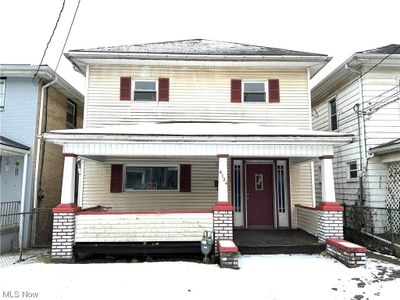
145, 90
144, 178
352, 172
254, 91
71, 113
332, 115
2, 93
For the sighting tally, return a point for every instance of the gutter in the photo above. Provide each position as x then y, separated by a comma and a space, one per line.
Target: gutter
39, 143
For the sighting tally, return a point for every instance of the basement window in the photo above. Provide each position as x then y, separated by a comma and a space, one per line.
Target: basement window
145, 178
145, 90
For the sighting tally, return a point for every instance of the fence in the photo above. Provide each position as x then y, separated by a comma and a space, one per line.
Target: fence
21, 232
377, 228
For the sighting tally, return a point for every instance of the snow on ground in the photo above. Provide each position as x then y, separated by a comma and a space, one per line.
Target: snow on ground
261, 277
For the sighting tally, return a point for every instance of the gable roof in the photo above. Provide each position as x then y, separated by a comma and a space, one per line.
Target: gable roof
199, 47
349, 70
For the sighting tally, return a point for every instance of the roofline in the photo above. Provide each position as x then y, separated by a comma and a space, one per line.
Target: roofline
386, 148
45, 73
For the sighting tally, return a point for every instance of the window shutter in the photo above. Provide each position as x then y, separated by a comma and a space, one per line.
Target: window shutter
125, 88
236, 90
185, 182
163, 89
116, 178
273, 87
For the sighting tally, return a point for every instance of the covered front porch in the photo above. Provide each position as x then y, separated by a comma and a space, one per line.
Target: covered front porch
207, 178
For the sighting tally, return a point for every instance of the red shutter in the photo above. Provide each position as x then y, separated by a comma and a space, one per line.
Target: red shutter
185, 182
163, 89
273, 87
116, 178
236, 90
125, 86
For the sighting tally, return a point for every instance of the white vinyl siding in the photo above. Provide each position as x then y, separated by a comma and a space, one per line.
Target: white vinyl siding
203, 195
196, 94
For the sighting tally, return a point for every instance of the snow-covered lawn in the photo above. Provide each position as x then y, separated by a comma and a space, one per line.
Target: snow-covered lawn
260, 277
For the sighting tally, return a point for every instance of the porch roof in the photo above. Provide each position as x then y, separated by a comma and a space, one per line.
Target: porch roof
10, 147
197, 139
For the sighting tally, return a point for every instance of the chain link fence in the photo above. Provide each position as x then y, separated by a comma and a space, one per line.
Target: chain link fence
376, 228
20, 233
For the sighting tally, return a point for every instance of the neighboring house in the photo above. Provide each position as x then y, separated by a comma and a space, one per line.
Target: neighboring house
20, 98
367, 169
187, 136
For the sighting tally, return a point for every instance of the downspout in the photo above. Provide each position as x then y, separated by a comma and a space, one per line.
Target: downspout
357, 111
39, 143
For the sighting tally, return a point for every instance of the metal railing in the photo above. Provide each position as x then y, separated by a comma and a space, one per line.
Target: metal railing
8, 213
376, 226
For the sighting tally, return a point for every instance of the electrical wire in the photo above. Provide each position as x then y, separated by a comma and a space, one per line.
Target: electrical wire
48, 43
66, 39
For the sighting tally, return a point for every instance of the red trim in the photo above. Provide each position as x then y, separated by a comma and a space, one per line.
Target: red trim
66, 208
333, 206
339, 244
227, 249
70, 155
223, 205
326, 157
306, 207
144, 212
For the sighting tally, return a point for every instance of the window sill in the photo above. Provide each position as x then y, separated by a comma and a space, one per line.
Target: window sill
146, 191
352, 180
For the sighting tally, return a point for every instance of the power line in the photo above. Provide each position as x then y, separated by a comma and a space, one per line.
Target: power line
66, 39
48, 43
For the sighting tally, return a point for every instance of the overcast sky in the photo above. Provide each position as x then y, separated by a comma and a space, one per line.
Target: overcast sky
337, 28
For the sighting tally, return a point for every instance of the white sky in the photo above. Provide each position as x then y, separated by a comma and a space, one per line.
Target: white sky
337, 28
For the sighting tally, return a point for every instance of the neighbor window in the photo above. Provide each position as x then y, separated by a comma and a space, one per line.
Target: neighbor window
71, 113
151, 178
145, 90
2, 92
352, 170
254, 92
332, 114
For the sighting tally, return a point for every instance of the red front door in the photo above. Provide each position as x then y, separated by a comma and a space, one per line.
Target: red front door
260, 195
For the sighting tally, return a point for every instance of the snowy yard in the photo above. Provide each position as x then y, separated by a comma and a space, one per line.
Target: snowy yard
261, 277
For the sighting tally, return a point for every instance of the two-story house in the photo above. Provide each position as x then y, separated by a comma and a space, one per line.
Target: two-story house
24, 100
186, 136
361, 97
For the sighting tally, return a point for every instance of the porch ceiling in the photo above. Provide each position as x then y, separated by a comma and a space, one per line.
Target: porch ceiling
197, 139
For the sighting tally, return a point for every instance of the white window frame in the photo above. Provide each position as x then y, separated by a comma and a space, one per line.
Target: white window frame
330, 114
348, 170
177, 166
265, 82
3, 94
144, 80
75, 110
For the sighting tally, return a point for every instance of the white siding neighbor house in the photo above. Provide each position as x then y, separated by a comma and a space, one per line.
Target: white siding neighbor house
361, 97
186, 136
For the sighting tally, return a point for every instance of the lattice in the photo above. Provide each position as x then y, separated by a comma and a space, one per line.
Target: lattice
393, 194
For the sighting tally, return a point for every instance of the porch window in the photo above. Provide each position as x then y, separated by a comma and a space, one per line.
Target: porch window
352, 172
145, 90
237, 185
254, 91
2, 92
281, 188
332, 114
144, 178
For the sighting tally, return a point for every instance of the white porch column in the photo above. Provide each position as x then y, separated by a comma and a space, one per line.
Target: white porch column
327, 180
68, 181
222, 178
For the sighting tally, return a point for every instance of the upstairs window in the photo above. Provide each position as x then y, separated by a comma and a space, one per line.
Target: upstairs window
71, 114
145, 90
332, 114
2, 93
254, 91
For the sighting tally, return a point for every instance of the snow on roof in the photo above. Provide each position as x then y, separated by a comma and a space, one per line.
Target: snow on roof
199, 47
389, 49
202, 129
10, 143
393, 145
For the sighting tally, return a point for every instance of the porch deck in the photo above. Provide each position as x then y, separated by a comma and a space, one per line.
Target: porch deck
276, 241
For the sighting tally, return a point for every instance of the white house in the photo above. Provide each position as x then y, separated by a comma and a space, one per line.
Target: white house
361, 97
186, 136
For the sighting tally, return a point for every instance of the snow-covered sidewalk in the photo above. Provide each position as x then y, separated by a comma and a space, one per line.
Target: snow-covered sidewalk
260, 277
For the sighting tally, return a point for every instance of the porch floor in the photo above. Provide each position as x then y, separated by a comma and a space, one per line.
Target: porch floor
276, 241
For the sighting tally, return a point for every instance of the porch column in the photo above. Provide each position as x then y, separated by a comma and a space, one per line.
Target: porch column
64, 214
223, 210
330, 213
